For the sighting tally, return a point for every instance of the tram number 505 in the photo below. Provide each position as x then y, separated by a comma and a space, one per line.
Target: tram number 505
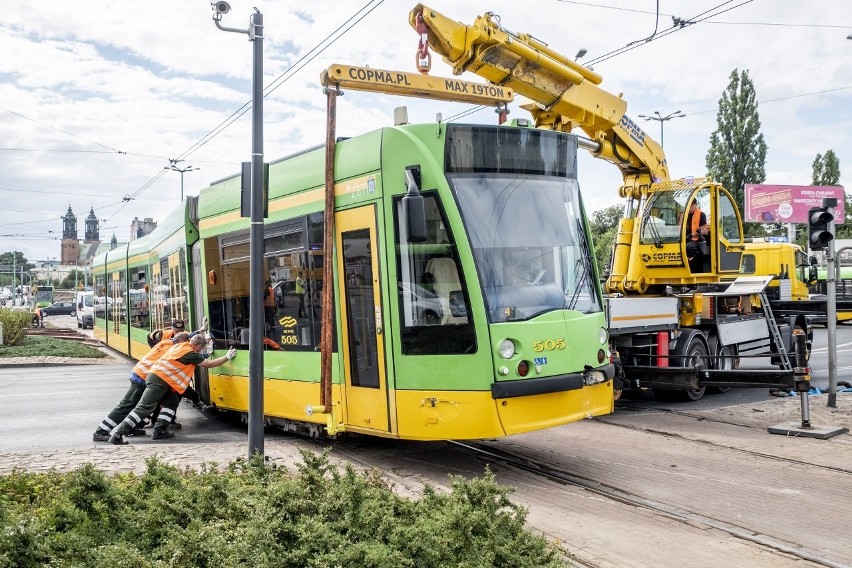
549, 345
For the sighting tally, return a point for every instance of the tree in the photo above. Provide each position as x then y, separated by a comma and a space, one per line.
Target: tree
826, 171
10, 261
737, 153
75, 277
604, 226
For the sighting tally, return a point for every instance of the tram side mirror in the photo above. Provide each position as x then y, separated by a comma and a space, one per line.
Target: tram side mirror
412, 203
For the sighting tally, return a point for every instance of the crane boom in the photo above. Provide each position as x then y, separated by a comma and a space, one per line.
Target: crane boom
565, 94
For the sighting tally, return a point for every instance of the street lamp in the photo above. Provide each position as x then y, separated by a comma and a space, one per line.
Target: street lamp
256, 325
174, 167
662, 119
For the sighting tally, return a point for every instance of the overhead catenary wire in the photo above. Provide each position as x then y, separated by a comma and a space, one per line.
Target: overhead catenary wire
277, 82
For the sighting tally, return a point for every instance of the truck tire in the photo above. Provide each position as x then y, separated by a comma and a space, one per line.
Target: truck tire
690, 351
725, 362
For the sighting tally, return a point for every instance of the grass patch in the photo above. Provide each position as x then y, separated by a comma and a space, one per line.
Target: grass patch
37, 346
254, 514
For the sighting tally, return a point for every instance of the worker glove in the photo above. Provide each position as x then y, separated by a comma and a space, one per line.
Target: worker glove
231, 353
205, 325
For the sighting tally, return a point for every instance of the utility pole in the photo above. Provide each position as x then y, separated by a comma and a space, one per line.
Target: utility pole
174, 167
257, 322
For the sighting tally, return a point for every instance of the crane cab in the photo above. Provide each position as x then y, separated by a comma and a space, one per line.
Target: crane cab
653, 247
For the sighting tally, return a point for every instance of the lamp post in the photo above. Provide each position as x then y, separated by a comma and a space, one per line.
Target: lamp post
256, 319
174, 167
661, 119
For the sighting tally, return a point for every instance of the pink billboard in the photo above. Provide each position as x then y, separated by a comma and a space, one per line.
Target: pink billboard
789, 203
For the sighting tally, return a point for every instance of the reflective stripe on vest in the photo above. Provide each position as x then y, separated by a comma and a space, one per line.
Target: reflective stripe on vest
143, 367
176, 374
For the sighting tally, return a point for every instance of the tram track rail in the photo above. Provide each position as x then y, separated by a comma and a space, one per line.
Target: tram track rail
709, 443
512, 459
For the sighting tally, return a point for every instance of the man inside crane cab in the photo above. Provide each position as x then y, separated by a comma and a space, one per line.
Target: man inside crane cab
697, 231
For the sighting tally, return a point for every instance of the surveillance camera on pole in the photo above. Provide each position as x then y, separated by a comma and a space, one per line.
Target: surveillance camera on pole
221, 8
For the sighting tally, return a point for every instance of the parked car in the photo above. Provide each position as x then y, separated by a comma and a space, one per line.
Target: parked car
61, 309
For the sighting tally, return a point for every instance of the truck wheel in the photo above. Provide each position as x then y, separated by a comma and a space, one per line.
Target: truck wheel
724, 362
691, 352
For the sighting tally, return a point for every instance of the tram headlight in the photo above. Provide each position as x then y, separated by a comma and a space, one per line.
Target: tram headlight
603, 335
507, 349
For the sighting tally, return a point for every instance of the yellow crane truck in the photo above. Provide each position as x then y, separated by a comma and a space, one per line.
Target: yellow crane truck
673, 328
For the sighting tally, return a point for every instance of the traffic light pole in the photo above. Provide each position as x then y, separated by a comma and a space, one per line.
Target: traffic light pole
831, 312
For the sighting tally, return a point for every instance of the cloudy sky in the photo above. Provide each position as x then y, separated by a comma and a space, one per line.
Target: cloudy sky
96, 97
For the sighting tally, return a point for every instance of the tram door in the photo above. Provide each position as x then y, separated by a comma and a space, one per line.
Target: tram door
362, 314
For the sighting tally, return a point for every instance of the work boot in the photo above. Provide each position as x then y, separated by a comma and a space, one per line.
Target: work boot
175, 426
137, 432
100, 435
161, 434
117, 440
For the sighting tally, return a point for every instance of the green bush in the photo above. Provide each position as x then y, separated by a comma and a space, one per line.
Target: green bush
14, 323
34, 346
253, 514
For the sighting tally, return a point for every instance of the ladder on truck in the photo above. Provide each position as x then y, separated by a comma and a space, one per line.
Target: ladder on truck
775, 332
756, 285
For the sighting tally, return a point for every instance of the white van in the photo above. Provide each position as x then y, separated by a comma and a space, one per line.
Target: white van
85, 309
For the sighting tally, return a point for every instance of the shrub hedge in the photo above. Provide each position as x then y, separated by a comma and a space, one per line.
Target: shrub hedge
253, 514
14, 323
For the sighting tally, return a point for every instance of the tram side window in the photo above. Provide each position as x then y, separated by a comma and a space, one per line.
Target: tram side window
178, 287
433, 299
100, 296
139, 297
293, 268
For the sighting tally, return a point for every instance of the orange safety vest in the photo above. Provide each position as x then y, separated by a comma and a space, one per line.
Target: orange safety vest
177, 375
168, 333
143, 367
269, 300
694, 222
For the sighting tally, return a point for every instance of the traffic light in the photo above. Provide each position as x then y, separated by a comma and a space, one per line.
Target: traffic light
819, 233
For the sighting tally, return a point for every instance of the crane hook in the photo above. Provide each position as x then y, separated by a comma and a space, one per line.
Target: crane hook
423, 57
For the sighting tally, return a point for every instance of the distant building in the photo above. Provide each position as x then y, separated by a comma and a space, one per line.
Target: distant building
70, 245
73, 253
141, 228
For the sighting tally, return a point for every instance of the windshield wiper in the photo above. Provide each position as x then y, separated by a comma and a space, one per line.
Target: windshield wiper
582, 265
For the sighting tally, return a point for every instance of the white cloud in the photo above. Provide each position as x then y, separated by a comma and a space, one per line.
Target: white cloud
152, 79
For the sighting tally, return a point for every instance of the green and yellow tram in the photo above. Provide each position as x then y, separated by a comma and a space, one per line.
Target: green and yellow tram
145, 284
489, 323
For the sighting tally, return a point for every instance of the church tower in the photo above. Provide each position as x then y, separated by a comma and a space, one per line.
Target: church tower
92, 230
70, 245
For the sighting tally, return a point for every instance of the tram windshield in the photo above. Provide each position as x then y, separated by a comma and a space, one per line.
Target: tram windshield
528, 244
518, 195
